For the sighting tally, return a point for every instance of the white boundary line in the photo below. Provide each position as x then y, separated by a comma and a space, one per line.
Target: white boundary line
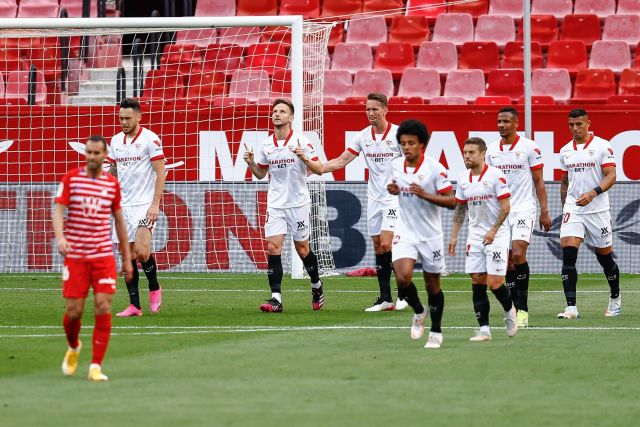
240, 276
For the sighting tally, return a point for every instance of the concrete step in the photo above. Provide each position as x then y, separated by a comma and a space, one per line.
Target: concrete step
91, 100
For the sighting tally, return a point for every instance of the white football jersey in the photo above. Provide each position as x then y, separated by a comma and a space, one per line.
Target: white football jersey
418, 217
287, 173
584, 162
516, 162
133, 157
481, 194
378, 151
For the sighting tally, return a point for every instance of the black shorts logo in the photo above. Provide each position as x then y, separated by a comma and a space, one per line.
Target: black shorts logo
392, 213
437, 255
497, 257
604, 231
301, 225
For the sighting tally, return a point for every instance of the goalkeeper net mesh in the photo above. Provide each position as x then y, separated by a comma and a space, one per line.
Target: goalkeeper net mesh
206, 92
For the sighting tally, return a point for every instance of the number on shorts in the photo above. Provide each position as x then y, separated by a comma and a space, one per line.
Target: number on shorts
565, 217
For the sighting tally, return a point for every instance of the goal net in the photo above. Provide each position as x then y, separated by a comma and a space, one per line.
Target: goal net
205, 85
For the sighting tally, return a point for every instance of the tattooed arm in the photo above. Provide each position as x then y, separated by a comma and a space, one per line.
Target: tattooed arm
459, 216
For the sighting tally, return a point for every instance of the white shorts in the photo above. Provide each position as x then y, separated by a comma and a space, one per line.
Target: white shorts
521, 225
491, 259
135, 217
297, 220
381, 216
430, 253
595, 228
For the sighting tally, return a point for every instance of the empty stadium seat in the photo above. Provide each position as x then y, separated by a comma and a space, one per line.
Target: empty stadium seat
551, 82
474, 8
372, 31
163, 84
226, 101
595, 85
223, 57
422, 82
341, 8
629, 82
306, 8
328, 100
492, 100
384, 6
257, 7
10, 56
185, 58
581, 27
568, 54
394, 57
448, 100
624, 100
241, 36
249, 84
202, 37
105, 51
17, 91
538, 100
513, 55
405, 100
338, 84
8, 9
468, 84
479, 55
206, 85
356, 100
74, 8
622, 27
557, 8
1, 88
38, 9
409, 29
512, 8
441, 56
215, 8
352, 57
504, 82
612, 54
429, 8
367, 81
453, 27
628, 7
544, 29
278, 34
496, 28
266, 56
46, 59
281, 83
336, 36
602, 8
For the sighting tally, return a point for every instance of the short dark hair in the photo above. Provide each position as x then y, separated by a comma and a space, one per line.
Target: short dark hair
415, 128
285, 102
99, 138
477, 141
380, 97
509, 110
577, 112
134, 104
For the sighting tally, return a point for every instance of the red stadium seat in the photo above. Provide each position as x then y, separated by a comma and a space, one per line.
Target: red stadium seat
8, 9
266, 56
206, 85
628, 7
624, 100
223, 57
336, 36
250, 84
512, 8
405, 100
281, 84
441, 56
513, 56
257, 7
306, 8
46, 59
1, 88
184, 58
372, 31
356, 100
367, 81
479, 55
422, 82
383, 6
557, 8
229, 102
327, 100
163, 84
17, 91
279, 34
429, 8
538, 100
496, 28
105, 51
341, 8
468, 84
474, 8
352, 57
201, 38
241, 36
10, 56
38, 9
504, 82
409, 29
551, 82
448, 100
544, 29
394, 57
581, 27
453, 27
629, 82
568, 54
215, 8
338, 84
595, 84
611, 54
492, 100
74, 8
622, 27
602, 8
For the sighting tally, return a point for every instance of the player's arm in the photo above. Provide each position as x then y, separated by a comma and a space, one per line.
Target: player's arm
313, 164
444, 199
58, 229
121, 231
154, 209
505, 207
113, 169
607, 182
564, 187
541, 192
257, 171
459, 217
339, 162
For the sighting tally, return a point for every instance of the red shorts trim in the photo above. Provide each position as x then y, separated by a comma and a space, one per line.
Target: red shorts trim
79, 275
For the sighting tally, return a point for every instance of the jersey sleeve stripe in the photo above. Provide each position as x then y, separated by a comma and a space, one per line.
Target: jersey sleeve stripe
352, 151
263, 166
536, 167
315, 158
461, 201
444, 190
110, 160
605, 165
504, 196
160, 157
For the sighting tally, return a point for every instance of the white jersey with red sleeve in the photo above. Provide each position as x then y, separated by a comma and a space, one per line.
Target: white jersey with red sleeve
481, 194
287, 173
90, 203
584, 163
378, 151
516, 162
418, 217
133, 157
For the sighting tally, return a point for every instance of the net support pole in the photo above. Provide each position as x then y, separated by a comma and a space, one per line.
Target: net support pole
526, 40
297, 95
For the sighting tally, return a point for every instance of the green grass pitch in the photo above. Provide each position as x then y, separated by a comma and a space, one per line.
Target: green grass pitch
211, 358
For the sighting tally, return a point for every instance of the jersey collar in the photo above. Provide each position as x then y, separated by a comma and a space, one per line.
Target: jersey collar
512, 145
384, 136
417, 166
486, 166
275, 140
575, 145
124, 140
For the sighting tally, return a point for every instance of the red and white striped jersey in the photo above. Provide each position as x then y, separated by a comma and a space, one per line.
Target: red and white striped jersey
90, 203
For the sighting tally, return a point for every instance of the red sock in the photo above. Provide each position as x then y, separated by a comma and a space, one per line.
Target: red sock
101, 334
72, 329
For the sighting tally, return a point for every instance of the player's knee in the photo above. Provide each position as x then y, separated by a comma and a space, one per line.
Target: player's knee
74, 313
518, 257
385, 246
402, 279
142, 255
569, 257
302, 250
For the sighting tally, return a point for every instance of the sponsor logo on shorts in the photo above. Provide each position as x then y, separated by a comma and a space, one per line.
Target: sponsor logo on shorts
301, 225
146, 223
437, 255
604, 231
107, 281
392, 213
522, 223
497, 257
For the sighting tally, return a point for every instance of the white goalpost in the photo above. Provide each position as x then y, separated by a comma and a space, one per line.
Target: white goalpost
205, 84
